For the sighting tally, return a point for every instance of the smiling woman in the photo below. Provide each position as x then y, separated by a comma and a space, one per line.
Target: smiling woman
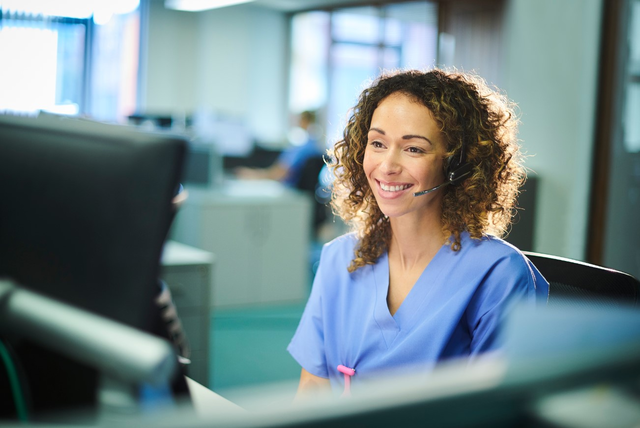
427, 174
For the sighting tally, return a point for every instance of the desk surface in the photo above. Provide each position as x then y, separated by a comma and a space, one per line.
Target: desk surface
177, 254
245, 192
208, 403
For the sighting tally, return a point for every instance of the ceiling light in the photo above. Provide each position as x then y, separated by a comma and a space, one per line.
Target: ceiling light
199, 5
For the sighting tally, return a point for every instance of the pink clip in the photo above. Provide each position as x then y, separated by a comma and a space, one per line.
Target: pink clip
348, 372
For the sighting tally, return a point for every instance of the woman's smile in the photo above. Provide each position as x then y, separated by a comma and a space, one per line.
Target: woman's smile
392, 190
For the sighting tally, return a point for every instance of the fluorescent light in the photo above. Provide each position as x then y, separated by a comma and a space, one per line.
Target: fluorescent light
199, 5
68, 8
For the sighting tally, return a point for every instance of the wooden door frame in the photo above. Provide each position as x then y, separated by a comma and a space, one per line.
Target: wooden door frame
607, 120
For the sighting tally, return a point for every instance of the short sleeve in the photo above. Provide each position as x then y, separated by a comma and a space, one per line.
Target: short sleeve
511, 280
307, 344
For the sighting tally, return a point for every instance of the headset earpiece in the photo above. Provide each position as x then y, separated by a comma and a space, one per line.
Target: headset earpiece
457, 168
456, 175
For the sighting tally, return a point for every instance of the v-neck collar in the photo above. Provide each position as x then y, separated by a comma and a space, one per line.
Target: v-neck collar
413, 302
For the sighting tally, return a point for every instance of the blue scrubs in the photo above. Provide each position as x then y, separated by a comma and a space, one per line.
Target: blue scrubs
453, 310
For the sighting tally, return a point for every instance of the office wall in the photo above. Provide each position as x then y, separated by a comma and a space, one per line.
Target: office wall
243, 66
172, 59
230, 60
551, 64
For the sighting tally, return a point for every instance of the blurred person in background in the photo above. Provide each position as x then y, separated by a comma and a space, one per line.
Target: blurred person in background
288, 168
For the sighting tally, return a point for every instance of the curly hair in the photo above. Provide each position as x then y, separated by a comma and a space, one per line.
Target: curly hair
469, 113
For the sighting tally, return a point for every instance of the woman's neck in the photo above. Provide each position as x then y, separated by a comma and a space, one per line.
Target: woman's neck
413, 245
415, 242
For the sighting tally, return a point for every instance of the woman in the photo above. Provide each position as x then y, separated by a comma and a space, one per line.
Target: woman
427, 173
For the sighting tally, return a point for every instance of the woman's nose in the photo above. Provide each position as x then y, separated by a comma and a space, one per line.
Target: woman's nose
390, 163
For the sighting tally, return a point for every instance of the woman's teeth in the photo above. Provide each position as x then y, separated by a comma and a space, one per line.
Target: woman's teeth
394, 188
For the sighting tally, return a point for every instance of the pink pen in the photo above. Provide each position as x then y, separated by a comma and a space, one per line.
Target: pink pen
348, 372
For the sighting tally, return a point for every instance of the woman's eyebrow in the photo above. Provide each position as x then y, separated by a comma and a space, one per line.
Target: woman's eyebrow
404, 137
412, 136
378, 130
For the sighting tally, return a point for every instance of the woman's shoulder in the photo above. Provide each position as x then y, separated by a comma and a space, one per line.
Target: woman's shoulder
338, 253
342, 244
335, 259
492, 247
492, 255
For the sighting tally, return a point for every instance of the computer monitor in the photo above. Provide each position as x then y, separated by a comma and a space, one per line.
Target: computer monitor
561, 366
85, 208
203, 166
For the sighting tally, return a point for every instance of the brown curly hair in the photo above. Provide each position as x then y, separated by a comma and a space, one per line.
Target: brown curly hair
469, 113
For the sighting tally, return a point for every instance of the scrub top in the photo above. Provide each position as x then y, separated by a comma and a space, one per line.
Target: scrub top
453, 310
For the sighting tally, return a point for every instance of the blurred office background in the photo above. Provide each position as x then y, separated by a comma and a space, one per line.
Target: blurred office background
232, 79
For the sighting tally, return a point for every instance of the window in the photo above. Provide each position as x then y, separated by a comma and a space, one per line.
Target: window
333, 53
72, 57
618, 205
631, 124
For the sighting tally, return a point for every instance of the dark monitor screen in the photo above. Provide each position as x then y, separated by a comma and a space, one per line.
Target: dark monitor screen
85, 208
84, 211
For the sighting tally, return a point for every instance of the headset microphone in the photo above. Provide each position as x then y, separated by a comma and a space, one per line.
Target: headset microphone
452, 178
433, 189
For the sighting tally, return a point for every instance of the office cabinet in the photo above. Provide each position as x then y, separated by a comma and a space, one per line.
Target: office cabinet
260, 234
188, 273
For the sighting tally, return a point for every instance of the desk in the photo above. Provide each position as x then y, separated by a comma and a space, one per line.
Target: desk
260, 233
209, 404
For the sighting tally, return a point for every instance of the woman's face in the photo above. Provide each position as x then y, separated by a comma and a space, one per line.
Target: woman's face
404, 155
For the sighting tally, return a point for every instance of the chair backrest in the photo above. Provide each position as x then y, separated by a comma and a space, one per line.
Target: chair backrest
572, 281
309, 174
308, 182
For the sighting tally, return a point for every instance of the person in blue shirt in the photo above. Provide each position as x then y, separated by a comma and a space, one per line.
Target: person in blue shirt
427, 175
305, 145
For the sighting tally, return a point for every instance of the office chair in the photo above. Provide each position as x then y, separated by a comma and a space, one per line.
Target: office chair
308, 182
575, 282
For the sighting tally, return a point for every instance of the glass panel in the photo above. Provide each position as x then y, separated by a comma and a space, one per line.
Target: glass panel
353, 65
632, 119
413, 26
634, 39
631, 123
309, 48
115, 68
392, 31
390, 58
69, 73
361, 24
622, 228
44, 47
419, 48
365, 40
29, 79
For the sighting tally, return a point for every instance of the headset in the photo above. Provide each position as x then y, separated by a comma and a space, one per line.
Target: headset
455, 171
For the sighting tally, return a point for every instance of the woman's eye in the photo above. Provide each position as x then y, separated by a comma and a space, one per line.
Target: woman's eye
376, 144
415, 150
